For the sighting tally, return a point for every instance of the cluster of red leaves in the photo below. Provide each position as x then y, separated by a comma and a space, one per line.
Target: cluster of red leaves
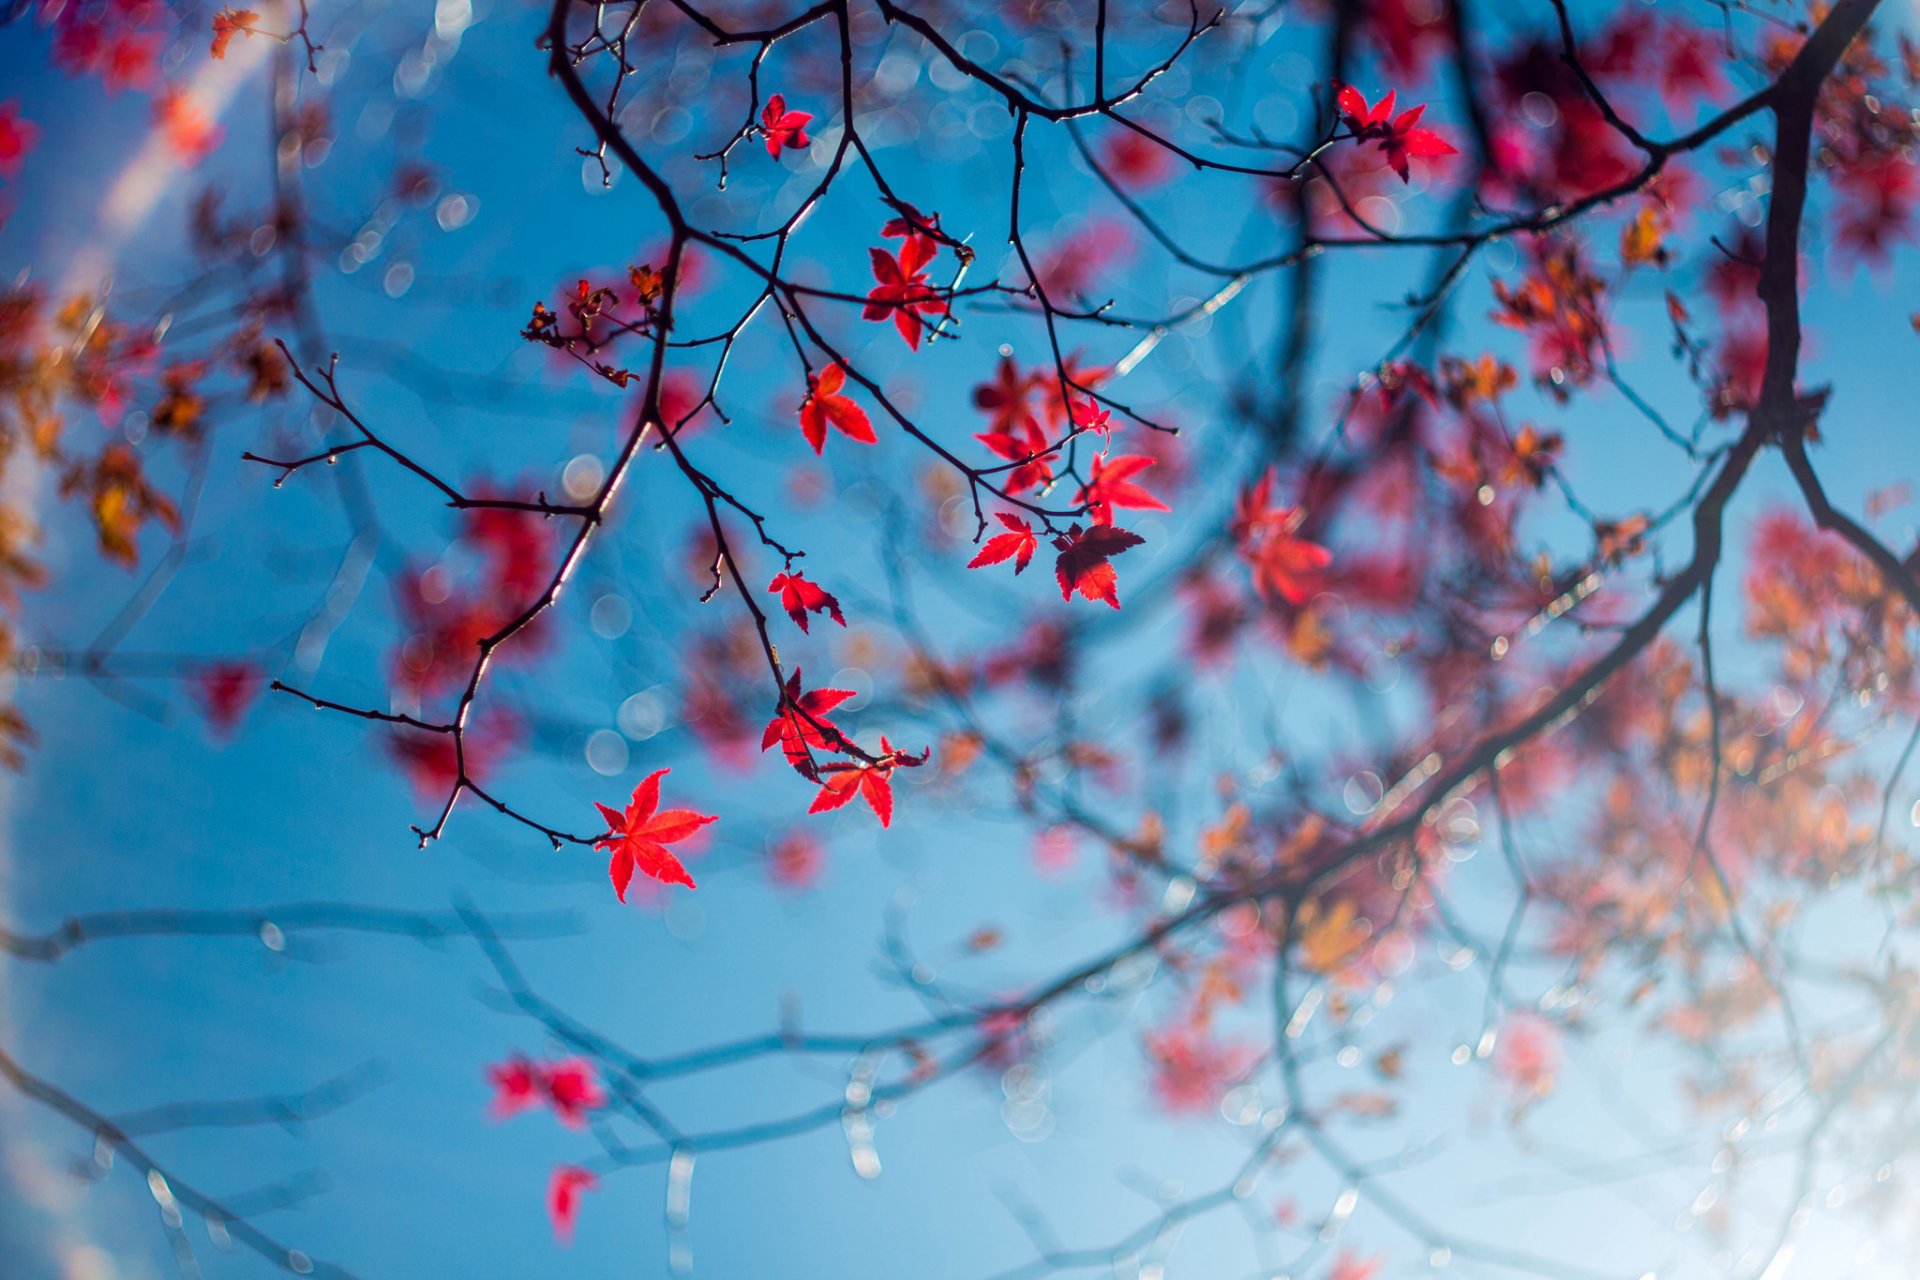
1558, 306
1016, 432
638, 838
571, 1090
447, 619
119, 43
1083, 563
568, 1087
227, 24
801, 727
1022, 408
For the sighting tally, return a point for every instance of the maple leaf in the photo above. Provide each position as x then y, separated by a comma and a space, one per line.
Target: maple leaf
903, 292
1082, 564
1398, 135
640, 836
872, 782
1005, 400
1111, 485
841, 783
1056, 388
516, 1086
783, 128
1025, 444
1017, 544
563, 1198
799, 596
227, 24
572, 1090
911, 224
1283, 565
1534, 452
1288, 567
824, 404
1088, 416
17, 137
224, 691
800, 724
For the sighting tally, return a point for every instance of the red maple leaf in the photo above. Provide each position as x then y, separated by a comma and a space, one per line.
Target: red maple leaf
1111, 485
800, 724
873, 782
516, 1086
563, 1198
1082, 564
1005, 400
1397, 135
903, 291
572, 1090
639, 837
798, 597
824, 404
1057, 389
1026, 445
911, 224
1088, 416
1283, 565
224, 691
841, 783
1288, 567
783, 128
1017, 545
